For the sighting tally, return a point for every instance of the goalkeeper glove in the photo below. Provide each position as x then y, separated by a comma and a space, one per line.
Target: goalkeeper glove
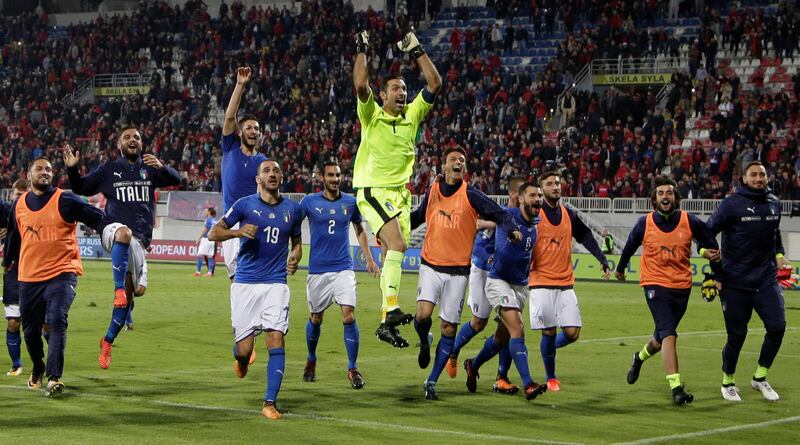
410, 44
709, 291
362, 42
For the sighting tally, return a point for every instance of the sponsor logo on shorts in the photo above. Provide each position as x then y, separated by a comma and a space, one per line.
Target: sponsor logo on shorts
389, 206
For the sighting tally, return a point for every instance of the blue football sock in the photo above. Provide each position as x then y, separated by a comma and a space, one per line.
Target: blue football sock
275, 367
312, 338
211, 264
199, 264
422, 328
119, 263
519, 353
503, 361
463, 337
443, 350
129, 318
13, 340
486, 353
548, 349
351, 338
562, 340
118, 316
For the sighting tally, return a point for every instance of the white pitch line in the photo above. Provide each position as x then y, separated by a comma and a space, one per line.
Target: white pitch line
706, 433
742, 352
335, 420
680, 334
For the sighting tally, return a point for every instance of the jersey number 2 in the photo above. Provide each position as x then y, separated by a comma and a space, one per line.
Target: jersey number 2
331, 225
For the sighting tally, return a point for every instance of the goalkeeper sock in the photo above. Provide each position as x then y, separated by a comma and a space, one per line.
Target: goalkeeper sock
644, 354
674, 380
728, 379
760, 374
391, 274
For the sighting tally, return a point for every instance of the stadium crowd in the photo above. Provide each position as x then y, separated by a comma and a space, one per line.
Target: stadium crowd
611, 145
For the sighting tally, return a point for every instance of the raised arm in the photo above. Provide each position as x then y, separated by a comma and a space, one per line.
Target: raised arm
360, 72
410, 44
81, 185
243, 75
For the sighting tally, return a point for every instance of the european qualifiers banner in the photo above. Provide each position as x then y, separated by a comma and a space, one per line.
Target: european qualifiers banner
631, 79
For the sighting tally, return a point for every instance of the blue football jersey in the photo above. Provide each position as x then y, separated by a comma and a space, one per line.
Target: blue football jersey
210, 222
483, 249
129, 189
512, 261
329, 222
263, 259
239, 171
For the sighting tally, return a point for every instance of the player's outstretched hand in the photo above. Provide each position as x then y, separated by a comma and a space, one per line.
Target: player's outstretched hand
408, 43
152, 161
606, 272
711, 254
373, 269
70, 157
291, 265
248, 231
362, 42
620, 276
243, 74
515, 236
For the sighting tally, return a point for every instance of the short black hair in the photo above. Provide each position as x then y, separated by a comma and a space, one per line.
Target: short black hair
40, 158
524, 186
385, 80
248, 117
212, 211
664, 180
455, 149
751, 164
329, 163
125, 128
546, 174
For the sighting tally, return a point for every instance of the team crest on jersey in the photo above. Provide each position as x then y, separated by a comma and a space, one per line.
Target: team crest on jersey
344, 210
287, 216
143, 174
389, 206
333, 211
651, 294
271, 216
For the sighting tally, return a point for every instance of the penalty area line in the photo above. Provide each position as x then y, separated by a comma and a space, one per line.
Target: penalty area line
712, 432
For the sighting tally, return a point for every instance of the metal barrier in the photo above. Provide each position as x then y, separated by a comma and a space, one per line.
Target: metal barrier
635, 66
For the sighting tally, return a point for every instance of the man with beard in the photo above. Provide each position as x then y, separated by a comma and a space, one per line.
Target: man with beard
240, 159
42, 243
506, 290
451, 209
11, 285
259, 294
383, 164
129, 185
330, 268
666, 275
553, 300
752, 249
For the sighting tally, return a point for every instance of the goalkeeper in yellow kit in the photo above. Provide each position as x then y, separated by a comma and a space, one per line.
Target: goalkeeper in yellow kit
384, 164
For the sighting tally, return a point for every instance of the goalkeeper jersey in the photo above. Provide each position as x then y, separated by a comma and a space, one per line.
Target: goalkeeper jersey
386, 153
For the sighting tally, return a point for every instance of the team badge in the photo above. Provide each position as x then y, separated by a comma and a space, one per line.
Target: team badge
344, 210
333, 211
651, 294
271, 216
287, 216
143, 174
389, 206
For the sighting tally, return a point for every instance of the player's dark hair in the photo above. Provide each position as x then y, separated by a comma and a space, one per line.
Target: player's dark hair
126, 128
21, 185
751, 164
329, 163
546, 175
385, 80
40, 158
248, 117
212, 211
455, 149
664, 180
524, 186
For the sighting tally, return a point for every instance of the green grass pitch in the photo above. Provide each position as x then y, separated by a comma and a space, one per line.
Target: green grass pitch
171, 379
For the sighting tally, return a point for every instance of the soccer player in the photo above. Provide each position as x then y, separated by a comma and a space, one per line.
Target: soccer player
330, 268
11, 286
666, 275
752, 249
259, 294
451, 208
241, 157
553, 300
384, 162
206, 250
42, 242
507, 290
482, 251
129, 185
